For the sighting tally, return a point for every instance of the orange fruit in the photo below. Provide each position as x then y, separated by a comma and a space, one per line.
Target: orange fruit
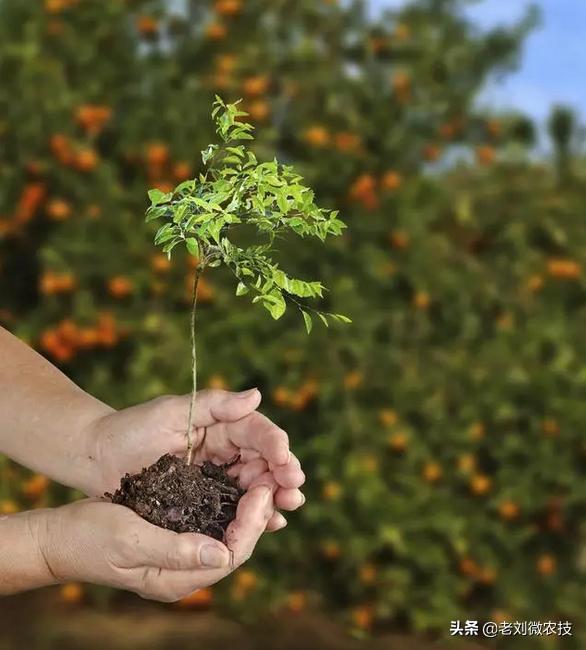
332, 491
564, 269
71, 593
182, 171
8, 507
281, 396
296, 602
546, 564
216, 31
255, 86
432, 472
35, 486
199, 599
317, 136
259, 110
347, 142
58, 209
367, 574
391, 181
120, 286
86, 160
388, 417
331, 550
160, 263
353, 379
485, 155
147, 25
228, 7
246, 579
508, 510
157, 154
480, 484
398, 441
363, 616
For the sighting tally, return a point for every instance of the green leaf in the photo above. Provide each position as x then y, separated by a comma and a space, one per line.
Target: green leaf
275, 304
157, 197
323, 319
308, 321
241, 289
192, 246
154, 213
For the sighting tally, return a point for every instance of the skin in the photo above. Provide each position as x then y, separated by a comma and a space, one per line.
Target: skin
49, 424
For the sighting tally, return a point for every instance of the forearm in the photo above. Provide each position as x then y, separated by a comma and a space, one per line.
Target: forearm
22, 564
45, 418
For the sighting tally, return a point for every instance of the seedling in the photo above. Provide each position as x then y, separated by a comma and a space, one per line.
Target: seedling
205, 215
236, 190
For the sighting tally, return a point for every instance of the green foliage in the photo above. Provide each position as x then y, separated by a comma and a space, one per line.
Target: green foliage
237, 190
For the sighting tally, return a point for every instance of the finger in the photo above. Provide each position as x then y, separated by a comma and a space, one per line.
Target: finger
254, 511
212, 406
224, 406
248, 472
255, 431
276, 522
289, 499
157, 547
290, 475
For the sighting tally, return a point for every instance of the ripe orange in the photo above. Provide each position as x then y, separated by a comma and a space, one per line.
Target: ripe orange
216, 31
199, 599
58, 210
120, 286
480, 484
391, 181
432, 472
332, 491
546, 565
508, 510
296, 601
317, 136
86, 160
71, 593
147, 25
363, 616
255, 86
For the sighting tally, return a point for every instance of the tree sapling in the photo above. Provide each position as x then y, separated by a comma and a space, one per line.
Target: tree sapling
235, 191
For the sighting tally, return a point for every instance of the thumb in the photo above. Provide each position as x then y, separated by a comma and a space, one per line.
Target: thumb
224, 406
179, 551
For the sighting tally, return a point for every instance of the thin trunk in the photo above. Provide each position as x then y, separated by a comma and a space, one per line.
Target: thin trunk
189, 432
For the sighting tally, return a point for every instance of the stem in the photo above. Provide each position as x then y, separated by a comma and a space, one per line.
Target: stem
188, 433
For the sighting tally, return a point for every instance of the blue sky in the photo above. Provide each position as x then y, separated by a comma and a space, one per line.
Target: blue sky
553, 66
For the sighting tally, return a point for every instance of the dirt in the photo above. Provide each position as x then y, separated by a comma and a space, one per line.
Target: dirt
180, 497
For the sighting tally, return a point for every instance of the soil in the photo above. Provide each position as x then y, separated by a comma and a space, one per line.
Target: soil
180, 497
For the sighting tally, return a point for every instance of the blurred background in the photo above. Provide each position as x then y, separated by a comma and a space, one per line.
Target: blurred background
442, 432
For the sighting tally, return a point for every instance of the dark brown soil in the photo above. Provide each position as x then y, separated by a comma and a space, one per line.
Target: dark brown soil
180, 497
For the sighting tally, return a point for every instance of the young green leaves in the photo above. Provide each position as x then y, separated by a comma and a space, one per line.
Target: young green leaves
235, 193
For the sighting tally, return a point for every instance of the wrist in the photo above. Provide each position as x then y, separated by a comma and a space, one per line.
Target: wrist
23, 562
93, 480
39, 523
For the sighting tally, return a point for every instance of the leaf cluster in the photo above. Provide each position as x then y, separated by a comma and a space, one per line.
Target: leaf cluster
236, 190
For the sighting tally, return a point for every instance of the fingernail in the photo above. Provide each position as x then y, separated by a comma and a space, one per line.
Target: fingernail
213, 557
303, 500
246, 393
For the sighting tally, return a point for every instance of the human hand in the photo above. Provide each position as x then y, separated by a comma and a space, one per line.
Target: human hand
96, 541
225, 425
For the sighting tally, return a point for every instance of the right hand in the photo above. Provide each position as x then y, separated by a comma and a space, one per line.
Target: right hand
96, 541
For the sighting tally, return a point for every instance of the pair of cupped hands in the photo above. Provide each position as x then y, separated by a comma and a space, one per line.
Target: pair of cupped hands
97, 541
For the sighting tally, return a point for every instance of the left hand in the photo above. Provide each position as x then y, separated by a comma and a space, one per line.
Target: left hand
226, 425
